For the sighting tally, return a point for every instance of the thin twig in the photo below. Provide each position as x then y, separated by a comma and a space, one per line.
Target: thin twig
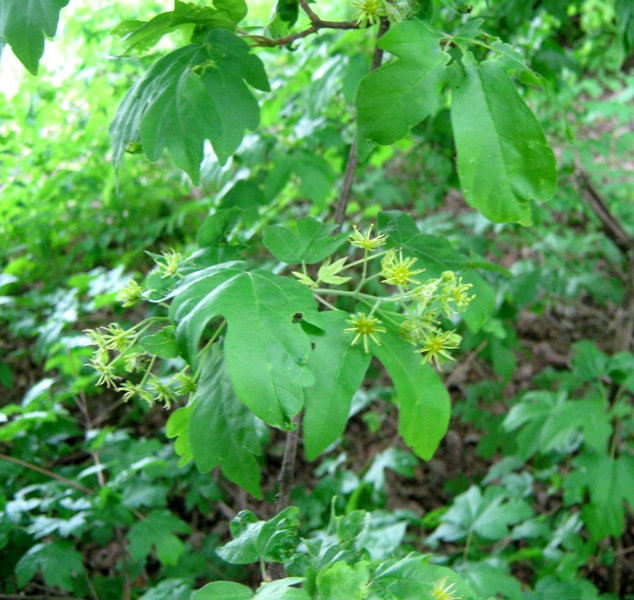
377, 57
285, 480
309, 11
316, 24
353, 158
611, 226
91, 587
82, 404
46, 472
346, 188
287, 472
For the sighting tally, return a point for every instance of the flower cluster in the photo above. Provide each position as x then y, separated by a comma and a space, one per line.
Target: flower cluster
118, 351
427, 304
423, 304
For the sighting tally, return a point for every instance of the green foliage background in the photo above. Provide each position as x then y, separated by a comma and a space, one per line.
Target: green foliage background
100, 500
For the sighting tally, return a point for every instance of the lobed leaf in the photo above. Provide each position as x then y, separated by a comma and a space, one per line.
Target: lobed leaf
488, 515
139, 36
610, 482
311, 243
266, 352
254, 540
195, 93
60, 563
24, 23
158, 530
402, 93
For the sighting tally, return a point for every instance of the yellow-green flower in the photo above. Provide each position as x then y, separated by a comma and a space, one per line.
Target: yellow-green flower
107, 373
436, 347
459, 293
168, 263
130, 295
162, 392
442, 591
364, 327
370, 11
398, 270
367, 242
410, 331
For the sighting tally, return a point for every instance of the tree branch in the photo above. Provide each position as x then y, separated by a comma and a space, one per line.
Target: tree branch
316, 23
353, 159
611, 226
285, 480
309, 11
624, 327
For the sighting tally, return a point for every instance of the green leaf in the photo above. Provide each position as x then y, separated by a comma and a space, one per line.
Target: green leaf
222, 430
401, 94
413, 577
246, 193
59, 562
139, 36
482, 307
434, 253
24, 23
458, 6
341, 580
236, 10
158, 530
162, 343
339, 369
610, 482
254, 540
170, 589
588, 363
489, 515
177, 426
195, 93
218, 226
624, 17
282, 590
424, 402
488, 581
548, 420
266, 352
223, 590
400, 461
312, 242
504, 161
317, 177
288, 11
